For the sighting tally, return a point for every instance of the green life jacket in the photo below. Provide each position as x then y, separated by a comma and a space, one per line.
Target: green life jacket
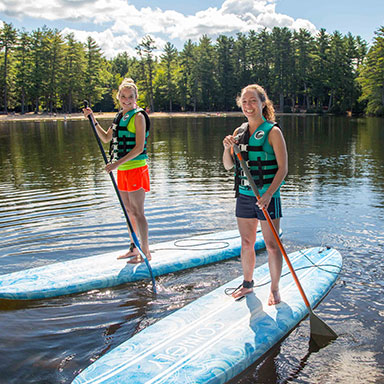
123, 140
259, 156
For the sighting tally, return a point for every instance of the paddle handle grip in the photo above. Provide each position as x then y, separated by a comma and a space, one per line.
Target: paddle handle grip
268, 217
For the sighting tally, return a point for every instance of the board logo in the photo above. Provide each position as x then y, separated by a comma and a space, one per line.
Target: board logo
259, 135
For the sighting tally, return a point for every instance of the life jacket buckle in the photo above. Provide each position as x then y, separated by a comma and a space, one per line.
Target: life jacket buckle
244, 182
243, 147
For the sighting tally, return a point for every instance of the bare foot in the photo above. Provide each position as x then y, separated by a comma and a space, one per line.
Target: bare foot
274, 298
138, 259
129, 254
241, 292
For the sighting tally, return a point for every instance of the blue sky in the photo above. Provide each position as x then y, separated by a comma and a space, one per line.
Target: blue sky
118, 25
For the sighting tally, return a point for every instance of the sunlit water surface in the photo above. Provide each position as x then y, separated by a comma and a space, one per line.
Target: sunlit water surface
57, 204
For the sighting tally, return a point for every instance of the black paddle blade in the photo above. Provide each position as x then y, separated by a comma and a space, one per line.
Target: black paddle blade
321, 333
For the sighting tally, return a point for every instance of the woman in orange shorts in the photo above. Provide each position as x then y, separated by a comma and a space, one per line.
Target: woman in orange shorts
128, 135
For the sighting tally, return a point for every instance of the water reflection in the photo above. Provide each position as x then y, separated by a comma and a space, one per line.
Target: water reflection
57, 203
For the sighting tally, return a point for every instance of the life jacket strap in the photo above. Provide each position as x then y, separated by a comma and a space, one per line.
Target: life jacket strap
256, 163
247, 148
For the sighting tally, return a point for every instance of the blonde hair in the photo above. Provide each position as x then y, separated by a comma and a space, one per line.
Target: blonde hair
268, 110
129, 84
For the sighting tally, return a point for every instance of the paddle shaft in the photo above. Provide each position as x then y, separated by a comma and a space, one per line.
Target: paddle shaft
129, 224
268, 217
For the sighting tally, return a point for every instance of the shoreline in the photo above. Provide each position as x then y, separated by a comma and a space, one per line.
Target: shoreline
110, 115
30, 116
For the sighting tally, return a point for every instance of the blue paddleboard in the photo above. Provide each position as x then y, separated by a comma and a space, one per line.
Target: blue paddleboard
104, 270
215, 338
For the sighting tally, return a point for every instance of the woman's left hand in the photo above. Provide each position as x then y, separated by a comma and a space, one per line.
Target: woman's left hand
264, 201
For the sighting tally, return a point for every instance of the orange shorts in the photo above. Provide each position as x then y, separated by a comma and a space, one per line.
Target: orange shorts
133, 179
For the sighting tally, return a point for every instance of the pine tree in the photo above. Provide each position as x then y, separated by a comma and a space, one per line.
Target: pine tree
55, 69
39, 66
302, 84
372, 76
23, 71
321, 82
121, 64
283, 64
8, 38
207, 82
225, 72
74, 68
93, 72
169, 61
145, 51
187, 76
260, 58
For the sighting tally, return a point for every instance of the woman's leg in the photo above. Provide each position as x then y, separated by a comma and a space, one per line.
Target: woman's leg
132, 252
247, 229
136, 201
275, 260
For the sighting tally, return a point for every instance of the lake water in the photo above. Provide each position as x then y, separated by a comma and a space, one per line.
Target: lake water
57, 203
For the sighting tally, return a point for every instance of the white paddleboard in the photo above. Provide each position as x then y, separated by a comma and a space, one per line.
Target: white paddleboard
215, 338
104, 270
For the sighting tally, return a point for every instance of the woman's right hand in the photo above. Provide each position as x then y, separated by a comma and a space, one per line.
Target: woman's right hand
87, 111
229, 141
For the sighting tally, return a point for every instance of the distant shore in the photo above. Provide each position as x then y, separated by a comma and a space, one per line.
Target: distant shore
106, 115
110, 115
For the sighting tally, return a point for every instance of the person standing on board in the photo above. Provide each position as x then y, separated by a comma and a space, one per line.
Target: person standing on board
128, 136
263, 146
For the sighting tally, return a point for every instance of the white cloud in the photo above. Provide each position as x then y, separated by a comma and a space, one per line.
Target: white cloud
110, 44
125, 25
304, 24
248, 6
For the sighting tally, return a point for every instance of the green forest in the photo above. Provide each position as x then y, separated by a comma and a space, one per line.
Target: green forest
44, 71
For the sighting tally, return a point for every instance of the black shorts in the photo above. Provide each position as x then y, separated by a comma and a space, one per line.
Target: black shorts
246, 208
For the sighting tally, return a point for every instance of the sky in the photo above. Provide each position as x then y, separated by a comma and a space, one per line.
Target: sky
120, 25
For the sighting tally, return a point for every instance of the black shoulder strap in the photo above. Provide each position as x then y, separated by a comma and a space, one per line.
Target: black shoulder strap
241, 131
147, 120
118, 117
275, 124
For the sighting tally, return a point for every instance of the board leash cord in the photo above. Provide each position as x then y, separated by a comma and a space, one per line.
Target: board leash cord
231, 291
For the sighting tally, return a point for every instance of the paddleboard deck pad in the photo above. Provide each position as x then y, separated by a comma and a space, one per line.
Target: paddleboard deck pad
215, 338
105, 270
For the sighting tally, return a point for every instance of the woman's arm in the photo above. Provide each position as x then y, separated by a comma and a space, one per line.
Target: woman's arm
105, 136
228, 142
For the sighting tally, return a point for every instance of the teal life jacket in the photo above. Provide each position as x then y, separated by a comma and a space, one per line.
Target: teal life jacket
123, 140
259, 156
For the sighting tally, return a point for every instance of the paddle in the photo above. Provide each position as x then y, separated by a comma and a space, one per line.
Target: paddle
321, 333
129, 224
